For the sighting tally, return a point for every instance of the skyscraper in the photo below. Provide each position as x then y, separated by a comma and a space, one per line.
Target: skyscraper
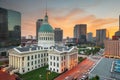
38, 24
101, 35
80, 31
90, 37
10, 27
58, 35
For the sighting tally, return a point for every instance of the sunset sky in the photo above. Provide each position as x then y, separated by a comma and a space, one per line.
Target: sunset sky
97, 14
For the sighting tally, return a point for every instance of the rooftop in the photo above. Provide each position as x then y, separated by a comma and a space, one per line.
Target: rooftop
103, 69
34, 48
46, 28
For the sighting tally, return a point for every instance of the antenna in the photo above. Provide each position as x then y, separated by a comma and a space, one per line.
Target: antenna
108, 34
119, 22
46, 7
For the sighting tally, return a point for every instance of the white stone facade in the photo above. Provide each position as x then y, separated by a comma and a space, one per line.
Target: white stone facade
46, 39
61, 61
27, 61
58, 61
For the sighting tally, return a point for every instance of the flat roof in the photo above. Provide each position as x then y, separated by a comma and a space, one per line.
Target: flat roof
103, 70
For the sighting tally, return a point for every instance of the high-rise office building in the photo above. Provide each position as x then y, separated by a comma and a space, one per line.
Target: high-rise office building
112, 47
38, 24
80, 31
101, 35
58, 35
90, 37
10, 27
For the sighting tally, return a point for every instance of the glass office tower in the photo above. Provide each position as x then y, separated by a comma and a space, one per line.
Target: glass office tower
10, 28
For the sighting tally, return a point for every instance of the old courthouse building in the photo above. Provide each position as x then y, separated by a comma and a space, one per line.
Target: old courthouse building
28, 58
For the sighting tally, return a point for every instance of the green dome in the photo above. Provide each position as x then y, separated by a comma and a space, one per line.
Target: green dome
45, 28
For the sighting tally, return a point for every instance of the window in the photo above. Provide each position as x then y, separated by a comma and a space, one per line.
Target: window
54, 57
57, 58
28, 63
28, 69
47, 59
62, 64
41, 60
54, 63
57, 70
32, 57
51, 63
41, 48
22, 58
38, 61
57, 64
64, 57
35, 56
47, 54
44, 54
28, 58
38, 55
51, 57
41, 55
44, 59
32, 63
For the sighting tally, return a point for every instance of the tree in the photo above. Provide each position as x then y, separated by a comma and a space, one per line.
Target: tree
95, 78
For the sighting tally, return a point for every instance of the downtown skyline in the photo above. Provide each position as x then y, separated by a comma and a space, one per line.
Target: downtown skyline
97, 14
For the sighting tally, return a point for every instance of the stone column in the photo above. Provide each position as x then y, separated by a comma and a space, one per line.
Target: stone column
20, 65
9, 60
13, 62
18, 62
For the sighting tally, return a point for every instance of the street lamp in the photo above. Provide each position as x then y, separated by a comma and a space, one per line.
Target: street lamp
48, 72
40, 76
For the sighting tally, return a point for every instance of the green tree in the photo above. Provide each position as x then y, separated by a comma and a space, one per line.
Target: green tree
95, 78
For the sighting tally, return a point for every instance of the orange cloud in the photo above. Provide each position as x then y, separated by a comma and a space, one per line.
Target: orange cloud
67, 21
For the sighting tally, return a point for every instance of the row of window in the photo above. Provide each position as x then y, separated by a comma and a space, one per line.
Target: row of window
35, 62
53, 69
57, 58
54, 58
46, 38
46, 34
54, 64
37, 56
32, 68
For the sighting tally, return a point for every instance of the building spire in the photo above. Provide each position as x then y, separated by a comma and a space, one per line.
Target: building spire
119, 22
46, 16
46, 7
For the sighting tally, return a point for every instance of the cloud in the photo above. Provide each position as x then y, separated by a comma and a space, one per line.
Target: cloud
79, 16
67, 20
